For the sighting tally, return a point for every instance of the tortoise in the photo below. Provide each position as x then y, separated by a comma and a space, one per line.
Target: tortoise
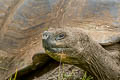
98, 18
71, 45
23, 21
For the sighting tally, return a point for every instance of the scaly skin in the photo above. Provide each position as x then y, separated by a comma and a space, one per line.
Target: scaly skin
74, 46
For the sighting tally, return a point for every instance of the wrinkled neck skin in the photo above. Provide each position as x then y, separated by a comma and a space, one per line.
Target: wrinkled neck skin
97, 61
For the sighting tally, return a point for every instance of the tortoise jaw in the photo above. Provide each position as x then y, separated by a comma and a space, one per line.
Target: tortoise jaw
62, 57
57, 50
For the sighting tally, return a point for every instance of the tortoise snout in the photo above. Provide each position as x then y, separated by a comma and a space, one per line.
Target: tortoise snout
45, 35
45, 39
48, 40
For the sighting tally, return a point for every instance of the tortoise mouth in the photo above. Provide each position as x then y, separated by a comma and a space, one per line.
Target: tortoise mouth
62, 56
58, 50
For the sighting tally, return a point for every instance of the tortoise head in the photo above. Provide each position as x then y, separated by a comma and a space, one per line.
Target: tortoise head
65, 43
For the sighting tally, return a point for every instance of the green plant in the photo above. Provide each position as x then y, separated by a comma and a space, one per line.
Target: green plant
15, 76
85, 77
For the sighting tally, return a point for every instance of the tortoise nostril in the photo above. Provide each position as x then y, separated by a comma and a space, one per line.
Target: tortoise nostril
45, 35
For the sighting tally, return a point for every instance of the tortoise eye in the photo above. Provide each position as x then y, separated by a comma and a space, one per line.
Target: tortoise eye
60, 36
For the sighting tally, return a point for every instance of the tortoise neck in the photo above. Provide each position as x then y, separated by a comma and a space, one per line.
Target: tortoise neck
99, 63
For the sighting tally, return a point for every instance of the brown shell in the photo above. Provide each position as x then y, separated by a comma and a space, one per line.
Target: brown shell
100, 18
23, 21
